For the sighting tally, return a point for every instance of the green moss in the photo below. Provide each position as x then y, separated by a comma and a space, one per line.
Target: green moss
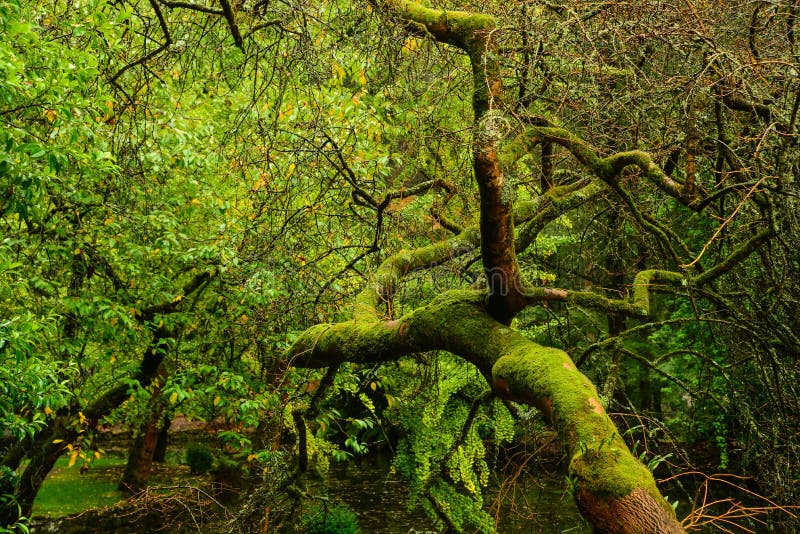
600, 461
548, 377
515, 149
454, 27
612, 471
571, 142
643, 282
599, 302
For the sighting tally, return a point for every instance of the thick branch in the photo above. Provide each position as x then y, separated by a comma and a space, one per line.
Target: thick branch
615, 491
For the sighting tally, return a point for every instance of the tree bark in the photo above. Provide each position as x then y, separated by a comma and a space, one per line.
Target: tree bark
160, 454
143, 448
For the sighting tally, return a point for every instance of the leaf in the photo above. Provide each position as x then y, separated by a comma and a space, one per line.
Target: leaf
50, 114
216, 400
72, 458
173, 398
58, 441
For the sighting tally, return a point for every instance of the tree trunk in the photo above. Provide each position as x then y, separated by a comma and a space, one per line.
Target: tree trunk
143, 448
160, 454
140, 456
42, 455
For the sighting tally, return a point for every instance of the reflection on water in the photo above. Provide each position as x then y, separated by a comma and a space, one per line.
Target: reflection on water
379, 499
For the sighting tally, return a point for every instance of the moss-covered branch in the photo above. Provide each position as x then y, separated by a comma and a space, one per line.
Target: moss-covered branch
608, 169
615, 491
457, 28
554, 203
473, 33
735, 257
395, 267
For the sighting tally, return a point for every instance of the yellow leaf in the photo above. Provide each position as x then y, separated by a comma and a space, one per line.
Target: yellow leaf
251, 457
58, 441
216, 400
195, 201
50, 114
72, 458
323, 425
97, 454
173, 398
48, 411
177, 299
410, 45
290, 170
355, 100
389, 400
373, 386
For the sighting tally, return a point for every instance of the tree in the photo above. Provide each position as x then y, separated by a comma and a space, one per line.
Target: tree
614, 491
652, 198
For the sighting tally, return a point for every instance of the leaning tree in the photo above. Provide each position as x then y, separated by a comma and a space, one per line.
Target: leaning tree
614, 491
689, 169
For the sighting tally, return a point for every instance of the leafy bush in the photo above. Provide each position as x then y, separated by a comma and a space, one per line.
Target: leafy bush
199, 459
338, 519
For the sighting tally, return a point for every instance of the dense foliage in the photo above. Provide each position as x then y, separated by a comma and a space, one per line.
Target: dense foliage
185, 188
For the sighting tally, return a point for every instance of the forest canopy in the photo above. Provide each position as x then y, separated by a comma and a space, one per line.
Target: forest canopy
450, 231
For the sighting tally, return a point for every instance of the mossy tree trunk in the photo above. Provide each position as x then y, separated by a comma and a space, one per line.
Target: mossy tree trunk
613, 490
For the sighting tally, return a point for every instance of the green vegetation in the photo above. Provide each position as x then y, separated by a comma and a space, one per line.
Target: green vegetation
199, 459
336, 519
442, 230
69, 491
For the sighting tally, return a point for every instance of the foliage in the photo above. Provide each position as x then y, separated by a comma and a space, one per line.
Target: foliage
144, 148
199, 459
336, 519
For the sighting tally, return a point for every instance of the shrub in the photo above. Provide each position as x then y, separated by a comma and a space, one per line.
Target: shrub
199, 459
338, 519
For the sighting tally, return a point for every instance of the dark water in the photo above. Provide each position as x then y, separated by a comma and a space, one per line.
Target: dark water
379, 499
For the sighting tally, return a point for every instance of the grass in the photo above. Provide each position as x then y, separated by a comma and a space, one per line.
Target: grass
66, 491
